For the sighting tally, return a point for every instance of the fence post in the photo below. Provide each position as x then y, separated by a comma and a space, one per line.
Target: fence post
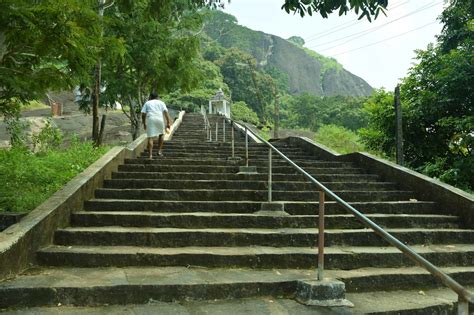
398, 123
270, 175
217, 130
246, 147
321, 237
223, 130
233, 149
463, 306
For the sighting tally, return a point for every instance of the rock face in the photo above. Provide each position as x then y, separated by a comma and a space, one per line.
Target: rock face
308, 72
304, 72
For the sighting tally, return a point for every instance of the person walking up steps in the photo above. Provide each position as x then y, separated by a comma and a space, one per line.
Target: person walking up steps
153, 113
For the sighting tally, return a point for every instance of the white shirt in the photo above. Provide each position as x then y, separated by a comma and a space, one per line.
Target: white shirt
154, 107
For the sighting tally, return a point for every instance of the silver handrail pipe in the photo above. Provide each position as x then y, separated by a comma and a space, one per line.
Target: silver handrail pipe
464, 296
207, 126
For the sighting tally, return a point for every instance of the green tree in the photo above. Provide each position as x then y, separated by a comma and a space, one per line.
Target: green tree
379, 135
246, 83
209, 82
241, 112
44, 45
162, 48
440, 95
339, 139
298, 41
312, 112
367, 8
438, 109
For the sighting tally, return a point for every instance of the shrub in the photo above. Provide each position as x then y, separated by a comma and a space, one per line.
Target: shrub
28, 179
339, 139
49, 137
240, 111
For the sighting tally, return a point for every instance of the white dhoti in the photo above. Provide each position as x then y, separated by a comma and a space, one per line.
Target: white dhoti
155, 126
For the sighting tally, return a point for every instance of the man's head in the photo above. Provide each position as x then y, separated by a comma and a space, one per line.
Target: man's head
153, 96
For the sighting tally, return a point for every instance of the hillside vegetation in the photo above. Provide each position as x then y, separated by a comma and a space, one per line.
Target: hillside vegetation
308, 72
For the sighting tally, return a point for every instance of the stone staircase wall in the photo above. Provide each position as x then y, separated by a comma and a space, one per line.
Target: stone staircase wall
450, 199
20, 242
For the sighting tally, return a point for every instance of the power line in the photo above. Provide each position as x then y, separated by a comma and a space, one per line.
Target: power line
342, 26
370, 30
384, 40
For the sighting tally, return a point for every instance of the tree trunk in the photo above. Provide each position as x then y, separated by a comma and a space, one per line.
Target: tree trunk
101, 132
276, 133
95, 104
96, 95
134, 120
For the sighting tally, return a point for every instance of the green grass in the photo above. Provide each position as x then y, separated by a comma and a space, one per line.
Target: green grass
32, 105
29, 179
339, 139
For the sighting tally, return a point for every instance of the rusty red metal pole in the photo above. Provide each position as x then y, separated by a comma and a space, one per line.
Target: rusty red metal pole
321, 237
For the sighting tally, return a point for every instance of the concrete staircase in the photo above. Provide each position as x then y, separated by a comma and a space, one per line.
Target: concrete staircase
183, 227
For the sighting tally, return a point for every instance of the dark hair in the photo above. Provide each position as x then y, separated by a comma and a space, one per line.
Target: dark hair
153, 96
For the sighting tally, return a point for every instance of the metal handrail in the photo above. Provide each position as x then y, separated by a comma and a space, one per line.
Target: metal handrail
464, 296
207, 126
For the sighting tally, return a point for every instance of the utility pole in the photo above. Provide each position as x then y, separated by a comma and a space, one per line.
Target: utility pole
399, 129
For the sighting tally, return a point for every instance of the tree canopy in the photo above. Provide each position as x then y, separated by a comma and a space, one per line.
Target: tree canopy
437, 99
366, 8
44, 45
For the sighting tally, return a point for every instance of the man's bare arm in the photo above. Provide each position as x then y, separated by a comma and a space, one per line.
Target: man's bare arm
168, 119
144, 120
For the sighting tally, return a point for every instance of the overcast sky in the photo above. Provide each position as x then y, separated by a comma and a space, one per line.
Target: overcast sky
382, 64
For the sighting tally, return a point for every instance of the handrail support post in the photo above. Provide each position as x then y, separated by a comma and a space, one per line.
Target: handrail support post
246, 147
463, 306
233, 143
270, 175
321, 236
223, 130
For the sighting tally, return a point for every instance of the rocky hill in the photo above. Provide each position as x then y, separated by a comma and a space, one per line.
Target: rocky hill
307, 71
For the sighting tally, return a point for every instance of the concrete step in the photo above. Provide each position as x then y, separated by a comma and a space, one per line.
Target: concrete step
232, 220
228, 134
246, 195
239, 151
294, 208
234, 169
140, 285
345, 258
432, 301
202, 137
224, 162
289, 237
225, 155
260, 305
364, 178
214, 145
232, 184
